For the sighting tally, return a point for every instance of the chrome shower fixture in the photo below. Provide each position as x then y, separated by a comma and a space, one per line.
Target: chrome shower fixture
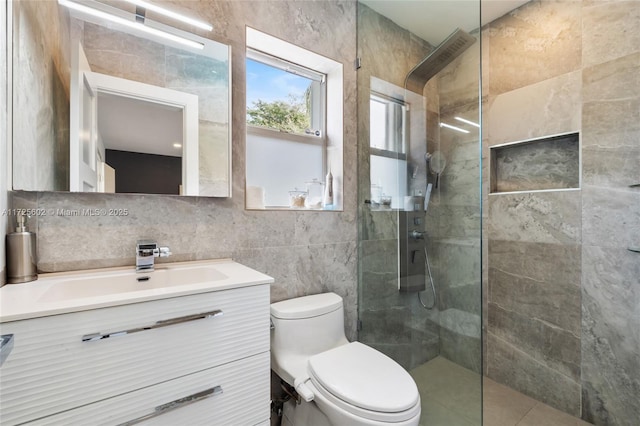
440, 57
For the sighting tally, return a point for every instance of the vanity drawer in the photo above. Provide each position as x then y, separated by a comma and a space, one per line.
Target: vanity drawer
233, 394
51, 368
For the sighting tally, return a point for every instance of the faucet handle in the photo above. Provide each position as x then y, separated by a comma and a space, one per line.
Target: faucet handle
146, 248
417, 235
164, 251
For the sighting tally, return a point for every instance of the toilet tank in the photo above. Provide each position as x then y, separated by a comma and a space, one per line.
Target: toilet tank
303, 327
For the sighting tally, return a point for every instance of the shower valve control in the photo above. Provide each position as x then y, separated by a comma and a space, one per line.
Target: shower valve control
417, 235
412, 240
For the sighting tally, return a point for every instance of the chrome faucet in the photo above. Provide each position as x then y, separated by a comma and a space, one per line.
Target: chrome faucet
146, 252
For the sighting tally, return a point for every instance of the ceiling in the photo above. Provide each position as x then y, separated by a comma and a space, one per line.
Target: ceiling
434, 20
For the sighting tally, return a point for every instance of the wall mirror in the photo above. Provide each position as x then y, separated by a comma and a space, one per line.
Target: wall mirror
101, 106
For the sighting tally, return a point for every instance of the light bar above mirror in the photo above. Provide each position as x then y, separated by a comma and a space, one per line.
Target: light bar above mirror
168, 13
131, 21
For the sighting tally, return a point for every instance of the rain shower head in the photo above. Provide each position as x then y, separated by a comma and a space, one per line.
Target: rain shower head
443, 55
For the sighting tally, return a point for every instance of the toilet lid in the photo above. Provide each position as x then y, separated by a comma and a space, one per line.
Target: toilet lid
364, 377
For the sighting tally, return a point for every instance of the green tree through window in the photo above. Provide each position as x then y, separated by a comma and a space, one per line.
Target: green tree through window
288, 116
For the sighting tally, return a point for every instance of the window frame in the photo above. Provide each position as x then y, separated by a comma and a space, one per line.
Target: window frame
318, 97
394, 130
334, 135
391, 123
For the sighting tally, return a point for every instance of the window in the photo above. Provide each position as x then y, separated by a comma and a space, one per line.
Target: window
283, 96
387, 124
294, 121
388, 134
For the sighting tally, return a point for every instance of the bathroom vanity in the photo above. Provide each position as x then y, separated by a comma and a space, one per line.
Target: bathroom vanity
185, 344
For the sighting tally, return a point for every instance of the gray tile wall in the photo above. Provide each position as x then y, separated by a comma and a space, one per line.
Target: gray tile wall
3, 143
392, 322
453, 219
41, 96
563, 289
455, 244
533, 309
306, 252
611, 213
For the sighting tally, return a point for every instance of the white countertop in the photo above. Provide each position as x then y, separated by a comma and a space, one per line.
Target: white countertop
33, 299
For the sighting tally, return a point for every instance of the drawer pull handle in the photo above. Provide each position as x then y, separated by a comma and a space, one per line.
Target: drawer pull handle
6, 346
178, 403
164, 323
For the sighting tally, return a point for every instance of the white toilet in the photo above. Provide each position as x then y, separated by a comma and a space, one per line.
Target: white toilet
340, 383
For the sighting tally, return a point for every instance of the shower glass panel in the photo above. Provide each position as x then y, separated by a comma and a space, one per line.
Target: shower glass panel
419, 214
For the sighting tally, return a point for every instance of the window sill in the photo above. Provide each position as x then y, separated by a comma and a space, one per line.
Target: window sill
297, 209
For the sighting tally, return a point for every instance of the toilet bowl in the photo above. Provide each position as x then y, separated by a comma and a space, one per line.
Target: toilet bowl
340, 383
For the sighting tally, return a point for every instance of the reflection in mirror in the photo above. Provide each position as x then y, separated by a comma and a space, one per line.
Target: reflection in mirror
144, 164
71, 136
111, 113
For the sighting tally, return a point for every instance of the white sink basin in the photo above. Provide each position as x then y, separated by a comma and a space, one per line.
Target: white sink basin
82, 290
124, 282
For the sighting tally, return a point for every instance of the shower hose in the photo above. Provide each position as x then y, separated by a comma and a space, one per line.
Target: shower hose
433, 289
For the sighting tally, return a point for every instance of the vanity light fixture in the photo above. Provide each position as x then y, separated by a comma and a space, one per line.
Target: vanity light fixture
449, 126
177, 145
133, 24
465, 121
178, 17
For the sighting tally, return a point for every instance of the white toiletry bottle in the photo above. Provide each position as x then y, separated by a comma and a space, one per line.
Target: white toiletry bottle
327, 202
21, 254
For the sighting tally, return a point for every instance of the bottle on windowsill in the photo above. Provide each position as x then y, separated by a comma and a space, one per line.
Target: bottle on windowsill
327, 202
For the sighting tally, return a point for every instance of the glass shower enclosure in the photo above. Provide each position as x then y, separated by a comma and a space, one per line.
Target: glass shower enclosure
420, 240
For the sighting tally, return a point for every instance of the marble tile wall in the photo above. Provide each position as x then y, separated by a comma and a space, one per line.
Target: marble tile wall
534, 253
563, 288
536, 42
611, 213
392, 322
537, 110
3, 142
41, 94
454, 217
306, 252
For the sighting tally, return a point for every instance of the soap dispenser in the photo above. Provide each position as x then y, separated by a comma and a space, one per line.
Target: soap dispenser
21, 254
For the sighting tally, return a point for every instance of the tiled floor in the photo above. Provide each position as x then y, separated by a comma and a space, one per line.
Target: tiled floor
451, 397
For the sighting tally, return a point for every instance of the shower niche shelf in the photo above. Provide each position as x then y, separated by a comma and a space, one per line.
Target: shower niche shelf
547, 163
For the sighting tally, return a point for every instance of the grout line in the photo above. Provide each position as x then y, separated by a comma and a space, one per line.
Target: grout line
527, 413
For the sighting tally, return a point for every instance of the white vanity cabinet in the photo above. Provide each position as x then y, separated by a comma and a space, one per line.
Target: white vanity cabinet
200, 359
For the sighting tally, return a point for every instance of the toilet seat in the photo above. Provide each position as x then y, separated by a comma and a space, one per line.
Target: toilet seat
365, 382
